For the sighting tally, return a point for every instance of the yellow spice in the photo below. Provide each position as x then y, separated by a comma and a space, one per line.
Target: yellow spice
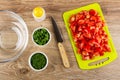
38, 12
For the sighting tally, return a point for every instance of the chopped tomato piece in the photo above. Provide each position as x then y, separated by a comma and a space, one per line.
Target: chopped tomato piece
72, 18
92, 12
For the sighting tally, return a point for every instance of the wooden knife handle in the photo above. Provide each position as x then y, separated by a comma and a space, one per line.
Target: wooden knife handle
63, 55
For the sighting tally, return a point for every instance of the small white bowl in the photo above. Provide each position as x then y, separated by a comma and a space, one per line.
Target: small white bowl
38, 29
29, 61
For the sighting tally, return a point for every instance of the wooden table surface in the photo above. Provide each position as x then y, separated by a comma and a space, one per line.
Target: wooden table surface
20, 70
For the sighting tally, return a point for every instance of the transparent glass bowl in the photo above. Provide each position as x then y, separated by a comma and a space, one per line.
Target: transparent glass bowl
13, 36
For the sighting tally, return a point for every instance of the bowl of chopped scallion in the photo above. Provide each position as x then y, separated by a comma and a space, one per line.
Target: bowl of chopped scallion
38, 61
41, 36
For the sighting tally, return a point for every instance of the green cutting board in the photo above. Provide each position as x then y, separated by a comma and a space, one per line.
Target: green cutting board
97, 61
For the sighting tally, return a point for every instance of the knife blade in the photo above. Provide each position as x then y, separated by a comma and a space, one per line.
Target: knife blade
60, 45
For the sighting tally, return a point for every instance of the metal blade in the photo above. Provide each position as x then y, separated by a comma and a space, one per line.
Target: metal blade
56, 30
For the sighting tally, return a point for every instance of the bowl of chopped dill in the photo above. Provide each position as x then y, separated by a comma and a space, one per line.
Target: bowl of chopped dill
41, 36
38, 61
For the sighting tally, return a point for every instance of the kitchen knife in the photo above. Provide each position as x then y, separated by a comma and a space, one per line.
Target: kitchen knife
60, 45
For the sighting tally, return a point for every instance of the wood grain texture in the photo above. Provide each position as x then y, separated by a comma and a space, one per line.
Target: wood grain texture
20, 70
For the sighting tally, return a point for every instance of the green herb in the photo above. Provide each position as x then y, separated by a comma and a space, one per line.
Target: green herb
38, 61
41, 36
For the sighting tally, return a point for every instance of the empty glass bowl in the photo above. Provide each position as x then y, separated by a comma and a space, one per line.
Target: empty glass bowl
13, 36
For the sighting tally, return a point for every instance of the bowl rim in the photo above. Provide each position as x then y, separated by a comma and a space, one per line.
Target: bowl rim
41, 27
38, 52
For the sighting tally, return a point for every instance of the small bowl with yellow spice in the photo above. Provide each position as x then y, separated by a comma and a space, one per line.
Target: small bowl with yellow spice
39, 14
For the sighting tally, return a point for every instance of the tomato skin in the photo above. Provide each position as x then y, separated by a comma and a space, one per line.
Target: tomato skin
91, 23
93, 18
80, 22
88, 34
92, 12
73, 28
85, 57
79, 16
72, 19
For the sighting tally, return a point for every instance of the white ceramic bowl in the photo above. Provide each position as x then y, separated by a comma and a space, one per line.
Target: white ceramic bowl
38, 29
29, 61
